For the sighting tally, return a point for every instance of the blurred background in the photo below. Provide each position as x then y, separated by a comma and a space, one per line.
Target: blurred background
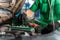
12, 17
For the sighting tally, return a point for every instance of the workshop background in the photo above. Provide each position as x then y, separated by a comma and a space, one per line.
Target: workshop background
11, 13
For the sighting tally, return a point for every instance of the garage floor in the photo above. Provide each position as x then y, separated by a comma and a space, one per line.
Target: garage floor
52, 36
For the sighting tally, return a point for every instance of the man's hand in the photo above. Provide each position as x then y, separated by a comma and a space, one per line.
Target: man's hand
30, 14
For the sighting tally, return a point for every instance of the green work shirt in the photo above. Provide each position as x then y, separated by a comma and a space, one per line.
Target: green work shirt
44, 8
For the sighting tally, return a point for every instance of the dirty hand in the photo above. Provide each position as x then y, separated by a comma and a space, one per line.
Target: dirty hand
29, 13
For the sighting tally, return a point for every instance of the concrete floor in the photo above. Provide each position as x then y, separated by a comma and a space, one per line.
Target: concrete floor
52, 36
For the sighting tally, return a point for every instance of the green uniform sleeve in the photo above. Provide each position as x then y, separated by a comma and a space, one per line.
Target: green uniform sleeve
35, 6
